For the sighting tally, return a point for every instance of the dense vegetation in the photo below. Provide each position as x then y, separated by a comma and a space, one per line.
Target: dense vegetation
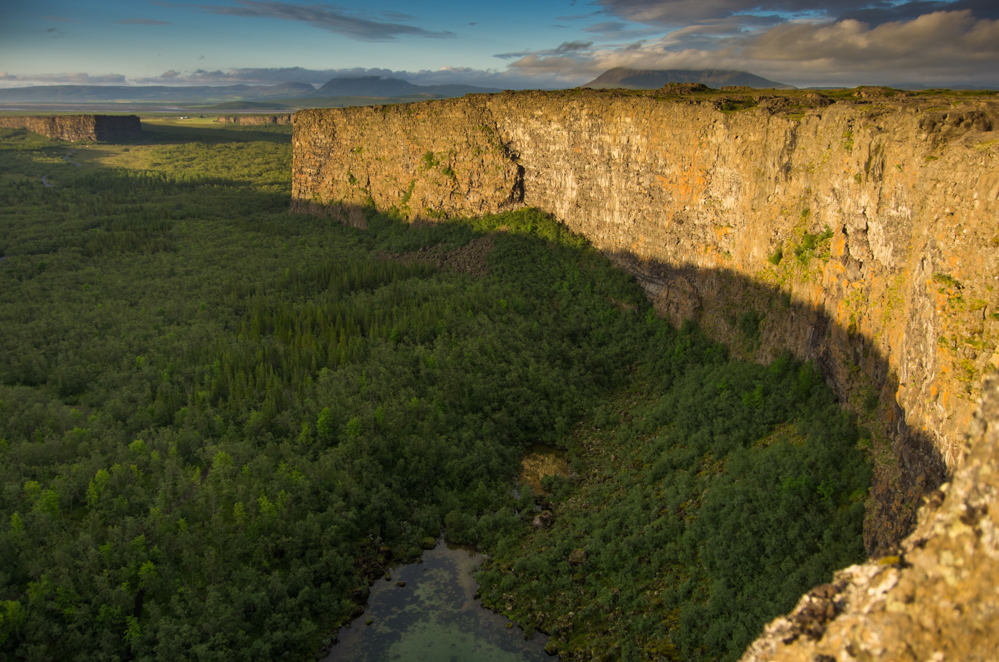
211, 411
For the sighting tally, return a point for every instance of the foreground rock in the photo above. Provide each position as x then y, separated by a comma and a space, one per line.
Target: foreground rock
937, 600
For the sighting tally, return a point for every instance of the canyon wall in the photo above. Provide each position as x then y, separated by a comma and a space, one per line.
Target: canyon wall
860, 232
105, 128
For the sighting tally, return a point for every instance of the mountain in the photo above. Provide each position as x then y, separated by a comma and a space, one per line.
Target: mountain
103, 93
376, 86
366, 86
370, 88
648, 79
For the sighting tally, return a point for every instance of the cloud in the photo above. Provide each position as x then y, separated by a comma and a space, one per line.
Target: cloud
672, 13
619, 31
443, 76
327, 17
564, 47
685, 12
142, 21
943, 48
53, 33
941, 42
570, 46
60, 19
243, 76
13, 80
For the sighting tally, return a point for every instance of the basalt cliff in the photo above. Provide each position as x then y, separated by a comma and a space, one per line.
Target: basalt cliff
78, 127
859, 230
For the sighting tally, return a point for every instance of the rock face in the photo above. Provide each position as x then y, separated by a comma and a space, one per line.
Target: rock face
105, 128
937, 600
862, 233
254, 120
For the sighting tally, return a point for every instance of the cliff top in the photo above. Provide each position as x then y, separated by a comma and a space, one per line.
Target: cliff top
790, 103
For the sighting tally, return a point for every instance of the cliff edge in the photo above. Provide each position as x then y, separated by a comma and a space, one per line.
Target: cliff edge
74, 128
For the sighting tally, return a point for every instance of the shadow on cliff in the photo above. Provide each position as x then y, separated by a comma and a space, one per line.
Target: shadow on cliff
757, 321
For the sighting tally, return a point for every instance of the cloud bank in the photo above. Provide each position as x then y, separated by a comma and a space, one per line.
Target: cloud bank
938, 48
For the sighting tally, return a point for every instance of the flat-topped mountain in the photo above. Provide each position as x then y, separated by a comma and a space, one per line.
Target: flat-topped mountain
648, 79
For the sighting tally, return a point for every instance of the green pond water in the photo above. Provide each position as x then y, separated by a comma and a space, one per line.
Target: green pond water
435, 617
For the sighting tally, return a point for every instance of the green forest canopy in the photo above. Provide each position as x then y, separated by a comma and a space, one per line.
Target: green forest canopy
213, 413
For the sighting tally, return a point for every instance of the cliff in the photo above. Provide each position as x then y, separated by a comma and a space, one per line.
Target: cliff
254, 120
79, 127
860, 232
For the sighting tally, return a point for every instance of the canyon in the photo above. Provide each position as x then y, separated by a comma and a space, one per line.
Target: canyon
858, 229
73, 128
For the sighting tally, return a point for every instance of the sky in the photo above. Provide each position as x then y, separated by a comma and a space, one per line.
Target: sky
509, 44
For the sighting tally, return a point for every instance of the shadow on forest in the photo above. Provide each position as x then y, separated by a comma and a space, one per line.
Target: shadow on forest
161, 134
911, 468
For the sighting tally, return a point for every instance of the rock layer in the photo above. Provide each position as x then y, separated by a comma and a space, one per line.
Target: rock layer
79, 127
862, 233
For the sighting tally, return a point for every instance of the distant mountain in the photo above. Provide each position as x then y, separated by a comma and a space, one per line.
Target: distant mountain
649, 79
376, 86
366, 86
105, 93
372, 88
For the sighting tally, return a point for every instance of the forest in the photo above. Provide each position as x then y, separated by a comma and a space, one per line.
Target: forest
216, 417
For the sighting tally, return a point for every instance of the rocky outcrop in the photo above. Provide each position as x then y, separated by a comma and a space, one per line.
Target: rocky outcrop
936, 600
254, 120
103, 128
859, 231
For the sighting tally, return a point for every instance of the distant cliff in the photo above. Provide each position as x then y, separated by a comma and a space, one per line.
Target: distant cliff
861, 232
254, 120
78, 127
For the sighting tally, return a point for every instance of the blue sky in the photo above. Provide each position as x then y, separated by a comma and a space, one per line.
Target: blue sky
504, 43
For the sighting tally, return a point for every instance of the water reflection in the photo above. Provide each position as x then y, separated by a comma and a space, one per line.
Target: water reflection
434, 618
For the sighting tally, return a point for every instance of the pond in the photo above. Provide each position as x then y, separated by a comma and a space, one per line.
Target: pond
434, 617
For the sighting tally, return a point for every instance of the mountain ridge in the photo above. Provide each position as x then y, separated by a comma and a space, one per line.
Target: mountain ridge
358, 86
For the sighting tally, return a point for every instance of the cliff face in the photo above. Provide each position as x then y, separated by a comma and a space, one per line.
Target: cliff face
79, 127
863, 234
254, 120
